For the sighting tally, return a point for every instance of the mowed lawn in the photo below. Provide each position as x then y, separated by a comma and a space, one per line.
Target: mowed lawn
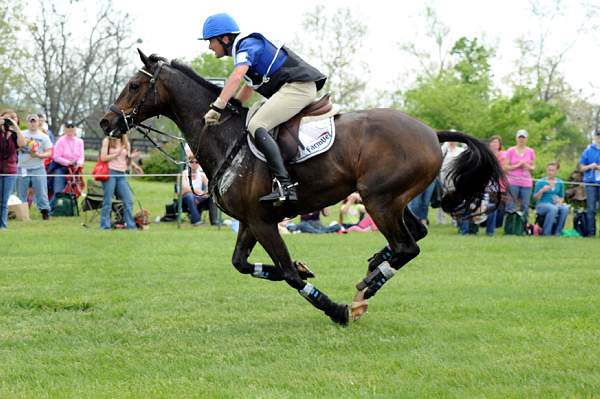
86, 313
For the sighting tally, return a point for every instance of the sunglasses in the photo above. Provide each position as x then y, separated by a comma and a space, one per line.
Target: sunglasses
32, 120
193, 161
69, 126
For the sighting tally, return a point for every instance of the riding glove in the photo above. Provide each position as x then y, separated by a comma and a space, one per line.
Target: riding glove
214, 113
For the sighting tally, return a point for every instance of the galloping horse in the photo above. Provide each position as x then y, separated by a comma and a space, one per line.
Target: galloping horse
384, 154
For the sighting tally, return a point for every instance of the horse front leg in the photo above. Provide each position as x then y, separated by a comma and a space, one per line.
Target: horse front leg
268, 236
243, 248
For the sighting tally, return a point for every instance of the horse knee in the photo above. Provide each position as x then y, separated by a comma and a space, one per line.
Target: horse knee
242, 265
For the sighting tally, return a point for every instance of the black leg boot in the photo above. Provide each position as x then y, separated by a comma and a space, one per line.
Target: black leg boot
283, 187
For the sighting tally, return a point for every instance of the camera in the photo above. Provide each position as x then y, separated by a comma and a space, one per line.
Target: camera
7, 122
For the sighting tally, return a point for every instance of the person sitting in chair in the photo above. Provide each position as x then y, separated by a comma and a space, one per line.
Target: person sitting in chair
194, 198
274, 71
549, 194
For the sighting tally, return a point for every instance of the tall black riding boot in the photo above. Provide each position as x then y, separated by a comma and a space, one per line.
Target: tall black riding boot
283, 187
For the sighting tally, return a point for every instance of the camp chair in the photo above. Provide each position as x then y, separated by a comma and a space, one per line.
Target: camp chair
91, 204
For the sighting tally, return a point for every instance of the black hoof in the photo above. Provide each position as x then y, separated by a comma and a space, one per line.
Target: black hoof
303, 270
340, 314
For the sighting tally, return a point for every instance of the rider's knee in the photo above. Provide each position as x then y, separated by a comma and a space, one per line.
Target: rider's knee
255, 125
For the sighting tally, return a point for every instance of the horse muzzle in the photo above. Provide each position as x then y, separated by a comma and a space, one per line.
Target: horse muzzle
116, 123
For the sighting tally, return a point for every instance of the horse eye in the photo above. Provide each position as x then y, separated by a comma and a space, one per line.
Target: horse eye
134, 86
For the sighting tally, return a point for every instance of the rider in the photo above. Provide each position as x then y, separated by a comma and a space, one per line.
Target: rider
275, 72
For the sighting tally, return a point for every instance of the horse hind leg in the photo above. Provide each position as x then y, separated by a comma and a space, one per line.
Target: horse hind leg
401, 248
243, 248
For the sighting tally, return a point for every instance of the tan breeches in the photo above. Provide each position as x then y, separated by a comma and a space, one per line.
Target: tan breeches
283, 105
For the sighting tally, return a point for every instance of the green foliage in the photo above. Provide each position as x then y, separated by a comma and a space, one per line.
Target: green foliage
209, 66
462, 97
156, 163
11, 52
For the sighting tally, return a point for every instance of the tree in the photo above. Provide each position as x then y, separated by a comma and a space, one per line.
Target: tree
335, 40
77, 76
10, 53
209, 66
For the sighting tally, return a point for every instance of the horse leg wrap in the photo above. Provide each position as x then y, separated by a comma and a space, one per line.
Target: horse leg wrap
338, 313
376, 279
267, 272
384, 255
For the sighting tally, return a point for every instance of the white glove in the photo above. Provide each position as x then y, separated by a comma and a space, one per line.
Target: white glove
214, 113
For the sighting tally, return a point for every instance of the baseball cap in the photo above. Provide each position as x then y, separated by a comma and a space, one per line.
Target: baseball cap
522, 133
32, 117
69, 123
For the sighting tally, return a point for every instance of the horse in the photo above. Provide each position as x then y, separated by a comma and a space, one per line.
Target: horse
384, 154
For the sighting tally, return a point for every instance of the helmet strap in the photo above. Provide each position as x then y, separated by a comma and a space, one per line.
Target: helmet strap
227, 46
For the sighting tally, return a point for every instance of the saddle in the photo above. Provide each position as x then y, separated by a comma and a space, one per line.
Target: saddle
286, 134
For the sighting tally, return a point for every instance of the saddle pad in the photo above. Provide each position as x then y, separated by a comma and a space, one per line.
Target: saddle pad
316, 136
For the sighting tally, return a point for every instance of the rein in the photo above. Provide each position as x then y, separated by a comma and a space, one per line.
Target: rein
129, 122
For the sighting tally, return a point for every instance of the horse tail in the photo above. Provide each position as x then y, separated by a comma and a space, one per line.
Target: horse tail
473, 173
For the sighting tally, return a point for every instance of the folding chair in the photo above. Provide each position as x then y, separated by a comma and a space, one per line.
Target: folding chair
91, 204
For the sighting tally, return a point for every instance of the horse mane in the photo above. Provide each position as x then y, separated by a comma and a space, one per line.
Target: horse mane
190, 73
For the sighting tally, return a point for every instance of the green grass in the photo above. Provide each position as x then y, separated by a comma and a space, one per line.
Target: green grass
162, 313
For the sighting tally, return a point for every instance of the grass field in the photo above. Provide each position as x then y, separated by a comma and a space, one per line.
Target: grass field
162, 313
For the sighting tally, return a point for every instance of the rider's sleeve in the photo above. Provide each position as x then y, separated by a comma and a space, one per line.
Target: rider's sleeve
248, 52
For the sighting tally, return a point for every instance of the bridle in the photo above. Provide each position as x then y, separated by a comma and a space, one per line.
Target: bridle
128, 121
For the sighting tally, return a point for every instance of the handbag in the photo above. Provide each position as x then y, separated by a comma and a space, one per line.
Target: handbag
100, 171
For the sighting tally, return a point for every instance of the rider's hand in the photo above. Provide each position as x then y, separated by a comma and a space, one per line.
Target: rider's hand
212, 117
214, 113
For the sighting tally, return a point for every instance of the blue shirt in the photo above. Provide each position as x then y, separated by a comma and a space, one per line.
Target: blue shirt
548, 196
590, 155
257, 52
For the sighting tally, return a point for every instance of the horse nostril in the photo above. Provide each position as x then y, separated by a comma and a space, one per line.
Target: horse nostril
104, 123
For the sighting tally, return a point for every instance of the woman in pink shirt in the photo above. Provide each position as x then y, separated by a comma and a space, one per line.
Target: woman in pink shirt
68, 153
518, 165
117, 153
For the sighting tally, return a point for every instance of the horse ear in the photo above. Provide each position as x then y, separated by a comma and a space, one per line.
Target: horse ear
144, 58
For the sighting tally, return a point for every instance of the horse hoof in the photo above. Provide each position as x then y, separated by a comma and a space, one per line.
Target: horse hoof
359, 305
341, 315
359, 309
303, 270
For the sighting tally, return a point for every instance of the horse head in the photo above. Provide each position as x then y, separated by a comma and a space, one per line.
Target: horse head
143, 97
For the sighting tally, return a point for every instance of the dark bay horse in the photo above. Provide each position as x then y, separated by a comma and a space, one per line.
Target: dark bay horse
385, 155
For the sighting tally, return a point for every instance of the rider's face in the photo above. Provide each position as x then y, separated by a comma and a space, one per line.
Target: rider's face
216, 47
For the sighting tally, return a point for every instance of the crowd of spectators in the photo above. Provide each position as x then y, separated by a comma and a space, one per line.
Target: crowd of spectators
37, 167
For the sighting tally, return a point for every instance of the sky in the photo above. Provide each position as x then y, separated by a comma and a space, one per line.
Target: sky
172, 31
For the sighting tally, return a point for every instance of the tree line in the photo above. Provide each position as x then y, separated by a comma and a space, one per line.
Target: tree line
75, 75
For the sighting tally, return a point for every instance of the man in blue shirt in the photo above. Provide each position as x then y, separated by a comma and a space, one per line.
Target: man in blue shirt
590, 166
549, 195
275, 72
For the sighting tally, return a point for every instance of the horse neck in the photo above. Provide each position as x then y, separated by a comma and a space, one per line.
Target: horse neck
189, 101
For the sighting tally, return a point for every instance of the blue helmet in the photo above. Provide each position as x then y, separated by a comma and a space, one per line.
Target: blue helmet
219, 25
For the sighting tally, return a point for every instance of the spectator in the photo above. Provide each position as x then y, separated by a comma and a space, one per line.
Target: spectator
450, 151
365, 225
420, 204
311, 223
194, 197
495, 144
117, 153
45, 128
549, 194
31, 170
351, 211
519, 163
68, 153
11, 139
590, 166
